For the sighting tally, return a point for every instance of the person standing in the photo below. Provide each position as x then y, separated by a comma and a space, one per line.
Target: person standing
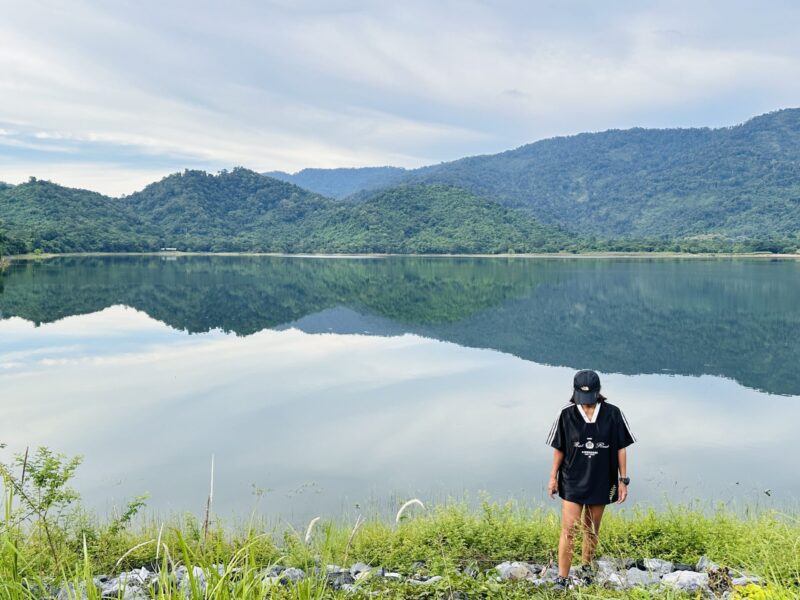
589, 439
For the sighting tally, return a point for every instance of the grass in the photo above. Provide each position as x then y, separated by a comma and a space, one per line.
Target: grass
47, 541
448, 538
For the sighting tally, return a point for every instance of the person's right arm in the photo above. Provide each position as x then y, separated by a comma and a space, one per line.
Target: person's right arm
552, 486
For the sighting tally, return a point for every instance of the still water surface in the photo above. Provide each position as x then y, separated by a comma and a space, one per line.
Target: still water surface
335, 385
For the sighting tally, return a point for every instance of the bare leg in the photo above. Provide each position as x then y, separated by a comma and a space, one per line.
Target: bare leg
570, 522
591, 528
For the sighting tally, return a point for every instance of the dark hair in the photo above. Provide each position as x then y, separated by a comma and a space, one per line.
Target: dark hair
600, 398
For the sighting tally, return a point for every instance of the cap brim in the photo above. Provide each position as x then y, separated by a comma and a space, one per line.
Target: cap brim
585, 397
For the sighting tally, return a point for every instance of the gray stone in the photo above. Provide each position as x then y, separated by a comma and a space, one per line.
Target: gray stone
549, 575
612, 579
426, 581
514, 571
292, 575
392, 575
745, 580
687, 581
270, 581
128, 585
340, 579
359, 567
705, 564
471, 571
607, 566
334, 569
635, 577
683, 567
656, 565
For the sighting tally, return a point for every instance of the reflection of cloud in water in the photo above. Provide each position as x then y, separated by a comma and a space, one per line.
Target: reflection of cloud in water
356, 414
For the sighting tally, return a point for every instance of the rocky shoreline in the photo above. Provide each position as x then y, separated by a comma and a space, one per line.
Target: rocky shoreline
705, 578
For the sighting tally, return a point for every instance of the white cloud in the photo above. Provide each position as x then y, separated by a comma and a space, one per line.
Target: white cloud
289, 85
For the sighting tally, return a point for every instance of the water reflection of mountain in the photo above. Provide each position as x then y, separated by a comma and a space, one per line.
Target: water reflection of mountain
737, 318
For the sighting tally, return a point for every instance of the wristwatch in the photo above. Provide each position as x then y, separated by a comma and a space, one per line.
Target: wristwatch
625, 480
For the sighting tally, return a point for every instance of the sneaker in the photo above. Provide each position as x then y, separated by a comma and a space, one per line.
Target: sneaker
586, 574
561, 583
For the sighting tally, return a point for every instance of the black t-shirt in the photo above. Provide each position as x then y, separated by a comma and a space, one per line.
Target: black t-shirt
590, 469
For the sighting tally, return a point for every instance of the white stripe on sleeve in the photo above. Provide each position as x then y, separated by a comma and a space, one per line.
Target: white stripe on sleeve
552, 433
628, 427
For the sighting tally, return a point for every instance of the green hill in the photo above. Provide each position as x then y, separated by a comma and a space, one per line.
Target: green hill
432, 219
235, 210
729, 189
736, 182
52, 218
241, 210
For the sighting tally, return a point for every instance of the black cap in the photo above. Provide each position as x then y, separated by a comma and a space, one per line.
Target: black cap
586, 386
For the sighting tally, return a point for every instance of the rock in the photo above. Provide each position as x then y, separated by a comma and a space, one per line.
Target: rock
656, 565
275, 570
745, 580
334, 569
687, 581
270, 581
683, 567
613, 579
292, 575
635, 577
471, 571
515, 571
349, 588
705, 564
426, 581
417, 565
128, 585
607, 565
549, 575
359, 567
340, 579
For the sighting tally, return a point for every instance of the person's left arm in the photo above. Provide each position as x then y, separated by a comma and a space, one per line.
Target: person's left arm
625, 438
622, 458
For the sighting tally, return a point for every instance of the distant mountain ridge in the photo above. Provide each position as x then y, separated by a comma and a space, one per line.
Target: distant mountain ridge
732, 189
342, 182
741, 181
241, 210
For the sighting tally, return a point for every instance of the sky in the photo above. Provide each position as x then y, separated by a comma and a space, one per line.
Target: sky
111, 95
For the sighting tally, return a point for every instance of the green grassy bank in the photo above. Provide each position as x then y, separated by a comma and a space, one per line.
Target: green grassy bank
47, 538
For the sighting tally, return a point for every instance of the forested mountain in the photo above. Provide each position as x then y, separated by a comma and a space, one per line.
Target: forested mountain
53, 218
241, 210
735, 182
729, 189
340, 183
431, 218
234, 210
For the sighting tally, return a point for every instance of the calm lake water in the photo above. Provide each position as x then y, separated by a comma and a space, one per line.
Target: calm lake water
335, 386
